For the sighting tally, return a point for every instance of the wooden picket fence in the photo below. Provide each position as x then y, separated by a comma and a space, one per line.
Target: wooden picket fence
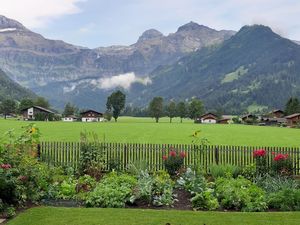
68, 154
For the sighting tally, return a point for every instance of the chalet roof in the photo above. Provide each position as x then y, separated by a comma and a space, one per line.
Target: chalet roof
246, 116
277, 110
208, 114
278, 120
91, 110
40, 108
292, 116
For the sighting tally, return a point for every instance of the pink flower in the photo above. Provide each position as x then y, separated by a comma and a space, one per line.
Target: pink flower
173, 153
165, 157
182, 154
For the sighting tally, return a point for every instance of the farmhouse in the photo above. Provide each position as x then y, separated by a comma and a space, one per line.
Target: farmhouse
293, 119
70, 118
36, 113
277, 113
225, 119
248, 118
268, 121
91, 116
207, 118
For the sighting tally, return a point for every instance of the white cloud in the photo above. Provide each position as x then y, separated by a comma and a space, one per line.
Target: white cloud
122, 80
87, 28
37, 13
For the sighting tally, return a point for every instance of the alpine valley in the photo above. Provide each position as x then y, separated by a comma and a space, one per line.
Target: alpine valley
249, 70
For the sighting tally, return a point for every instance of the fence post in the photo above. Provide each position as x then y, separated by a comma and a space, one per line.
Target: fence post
217, 155
39, 151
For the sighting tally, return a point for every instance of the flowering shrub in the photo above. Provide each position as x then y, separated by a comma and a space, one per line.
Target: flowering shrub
282, 164
174, 161
260, 157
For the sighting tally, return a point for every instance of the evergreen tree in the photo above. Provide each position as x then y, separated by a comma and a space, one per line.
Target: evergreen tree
292, 106
171, 110
181, 110
156, 108
69, 109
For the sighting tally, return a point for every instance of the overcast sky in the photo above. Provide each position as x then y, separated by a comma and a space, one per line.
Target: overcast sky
94, 23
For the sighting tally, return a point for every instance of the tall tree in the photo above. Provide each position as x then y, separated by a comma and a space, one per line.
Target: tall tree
195, 109
181, 110
25, 103
69, 109
42, 102
292, 106
8, 106
116, 103
156, 109
171, 110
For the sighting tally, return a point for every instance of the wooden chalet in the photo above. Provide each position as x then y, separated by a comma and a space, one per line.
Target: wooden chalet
30, 113
277, 113
247, 117
70, 118
91, 116
293, 120
207, 118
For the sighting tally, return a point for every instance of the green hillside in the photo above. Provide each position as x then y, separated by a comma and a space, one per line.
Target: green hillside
254, 67
11, 90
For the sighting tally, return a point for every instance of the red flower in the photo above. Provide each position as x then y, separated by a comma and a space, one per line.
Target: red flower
281, 157
165, 157
182, 154
5, 166
259, 153
173, 153
273, 153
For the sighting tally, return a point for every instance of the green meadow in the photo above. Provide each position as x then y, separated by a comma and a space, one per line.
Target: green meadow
81, 216
145, 130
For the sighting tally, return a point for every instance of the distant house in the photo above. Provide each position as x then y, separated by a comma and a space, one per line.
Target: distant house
207, 118
293, 119
37, 113
268, 121
91, 116
248, 118
70, 118
277, 113
225, 119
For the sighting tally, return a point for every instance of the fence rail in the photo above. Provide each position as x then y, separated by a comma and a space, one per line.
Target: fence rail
68, 154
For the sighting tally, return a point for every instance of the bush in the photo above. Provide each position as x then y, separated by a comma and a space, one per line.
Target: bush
276, 183
260, 157
205, 200
225, 171
282, 165
162, 189
285, 200
174, 161
192, 182
249, 172
113, 191
240, 194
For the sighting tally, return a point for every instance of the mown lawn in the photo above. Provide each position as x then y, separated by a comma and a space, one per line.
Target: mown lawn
145, 130
92, 216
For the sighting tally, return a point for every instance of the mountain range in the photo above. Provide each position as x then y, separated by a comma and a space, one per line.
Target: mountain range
62, 72
255, 69
252, 69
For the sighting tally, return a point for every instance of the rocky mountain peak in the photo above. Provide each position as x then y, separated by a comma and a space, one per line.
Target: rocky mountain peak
6, 23
150, 34
191, 26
